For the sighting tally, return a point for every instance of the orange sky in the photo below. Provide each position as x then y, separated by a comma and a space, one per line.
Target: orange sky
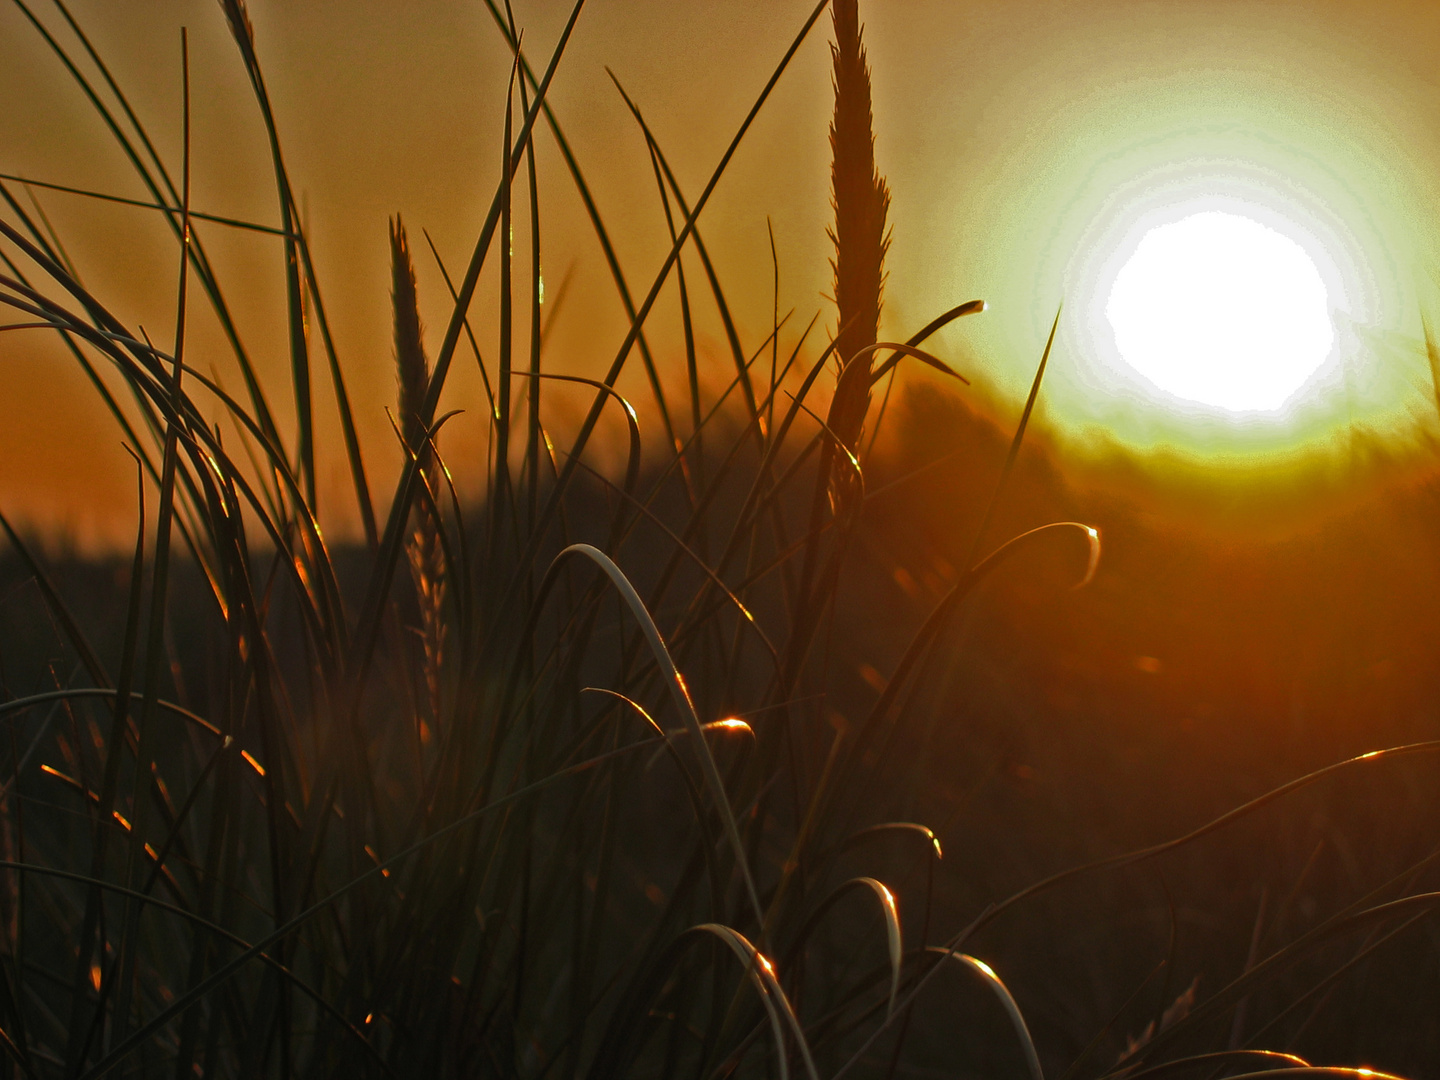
390, 107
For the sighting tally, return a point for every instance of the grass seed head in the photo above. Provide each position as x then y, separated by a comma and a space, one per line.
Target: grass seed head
423, 548
861, 200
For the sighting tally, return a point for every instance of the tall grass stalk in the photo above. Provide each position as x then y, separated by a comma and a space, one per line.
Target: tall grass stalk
862, 201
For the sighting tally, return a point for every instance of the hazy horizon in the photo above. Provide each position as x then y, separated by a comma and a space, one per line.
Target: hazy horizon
1002, 132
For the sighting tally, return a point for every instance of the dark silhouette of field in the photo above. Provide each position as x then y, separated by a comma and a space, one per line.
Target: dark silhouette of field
1235, 637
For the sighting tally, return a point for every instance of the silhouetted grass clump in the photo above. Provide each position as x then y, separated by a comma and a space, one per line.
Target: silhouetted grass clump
595, 776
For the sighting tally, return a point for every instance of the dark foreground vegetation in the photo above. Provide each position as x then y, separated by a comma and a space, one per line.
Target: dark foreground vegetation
768, 754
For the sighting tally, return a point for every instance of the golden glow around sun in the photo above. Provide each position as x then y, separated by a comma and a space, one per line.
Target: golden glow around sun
1301, 325
1221, 310
1224, 309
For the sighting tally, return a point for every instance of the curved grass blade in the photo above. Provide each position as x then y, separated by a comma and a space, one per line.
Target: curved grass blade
970, 307
1216, 1060
692, 790
680, 697
32, 700
625, 1035
888, 911
902, 351
1129, 858
876, 831
632, 422
694, 556
1017, 1020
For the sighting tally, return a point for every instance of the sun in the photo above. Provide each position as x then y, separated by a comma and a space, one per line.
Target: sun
1221, 310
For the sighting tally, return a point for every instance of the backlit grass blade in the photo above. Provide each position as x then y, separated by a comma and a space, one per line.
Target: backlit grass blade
732, 336
30, 701
875, 832
624, 1038
942, 612
1014, 451
244, 35
1007, 1001
159, 593
591, 418
122, 201
632, 423
1218, 1059
680, 698
597, 223
888, 911
698, 561
919, 354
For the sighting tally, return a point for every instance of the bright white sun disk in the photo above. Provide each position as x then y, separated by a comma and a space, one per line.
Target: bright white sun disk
1219, 309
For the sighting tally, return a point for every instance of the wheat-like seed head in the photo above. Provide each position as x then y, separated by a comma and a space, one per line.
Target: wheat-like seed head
423, 548
861, 200
239, 20
412, 370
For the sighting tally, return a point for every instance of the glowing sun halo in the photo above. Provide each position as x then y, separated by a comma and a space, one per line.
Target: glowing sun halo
1219, 309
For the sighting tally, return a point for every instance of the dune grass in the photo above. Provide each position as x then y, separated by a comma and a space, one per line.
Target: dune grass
547, 784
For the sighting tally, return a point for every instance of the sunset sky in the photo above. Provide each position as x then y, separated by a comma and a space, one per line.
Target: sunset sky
1018, 139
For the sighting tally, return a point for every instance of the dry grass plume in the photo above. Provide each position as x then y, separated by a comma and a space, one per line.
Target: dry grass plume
861, 200
423, 549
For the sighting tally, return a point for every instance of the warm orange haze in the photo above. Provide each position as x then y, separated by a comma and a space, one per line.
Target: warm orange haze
1028, 138
838, 539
